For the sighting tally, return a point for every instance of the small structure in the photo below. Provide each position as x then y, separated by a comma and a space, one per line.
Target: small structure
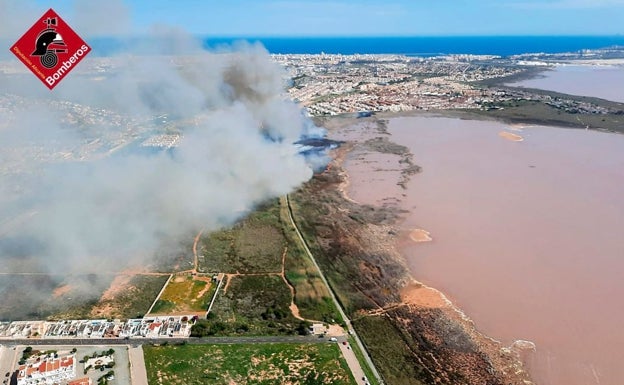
318, 329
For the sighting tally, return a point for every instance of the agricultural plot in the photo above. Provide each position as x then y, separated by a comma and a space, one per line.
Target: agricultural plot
185, 294
247, 364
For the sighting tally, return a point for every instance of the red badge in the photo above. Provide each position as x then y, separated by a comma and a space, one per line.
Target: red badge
50, 49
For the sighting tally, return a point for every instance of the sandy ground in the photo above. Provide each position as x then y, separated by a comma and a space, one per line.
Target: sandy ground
423, 296
420, 235
510, 136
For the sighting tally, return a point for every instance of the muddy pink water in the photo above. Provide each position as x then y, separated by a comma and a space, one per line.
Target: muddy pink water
527, 235
605, 82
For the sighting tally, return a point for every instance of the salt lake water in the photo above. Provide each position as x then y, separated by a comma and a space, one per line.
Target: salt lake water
600, 81
526, 235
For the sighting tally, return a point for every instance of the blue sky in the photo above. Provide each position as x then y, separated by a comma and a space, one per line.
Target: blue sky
360, 18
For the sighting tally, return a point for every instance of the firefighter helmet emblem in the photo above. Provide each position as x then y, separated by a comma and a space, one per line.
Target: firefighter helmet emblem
48, 43
50, 50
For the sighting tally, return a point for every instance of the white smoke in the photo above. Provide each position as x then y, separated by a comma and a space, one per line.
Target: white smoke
63, 214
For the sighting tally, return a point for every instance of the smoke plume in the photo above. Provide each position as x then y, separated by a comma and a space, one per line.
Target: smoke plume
78, 194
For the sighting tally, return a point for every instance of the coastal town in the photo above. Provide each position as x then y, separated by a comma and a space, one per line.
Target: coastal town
324, 85
337, 84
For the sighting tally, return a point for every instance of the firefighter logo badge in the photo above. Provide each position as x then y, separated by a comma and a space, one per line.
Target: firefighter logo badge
50, 49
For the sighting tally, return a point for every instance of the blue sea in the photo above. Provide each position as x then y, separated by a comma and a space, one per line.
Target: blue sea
417, 46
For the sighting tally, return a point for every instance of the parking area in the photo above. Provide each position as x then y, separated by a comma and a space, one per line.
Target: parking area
10, 355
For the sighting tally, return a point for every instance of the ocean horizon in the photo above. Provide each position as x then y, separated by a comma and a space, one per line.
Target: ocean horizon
414, 46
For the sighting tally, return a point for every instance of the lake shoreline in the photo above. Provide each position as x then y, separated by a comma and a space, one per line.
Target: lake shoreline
428, 306
406, 227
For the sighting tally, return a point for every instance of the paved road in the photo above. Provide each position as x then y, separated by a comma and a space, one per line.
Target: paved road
143, 341
138, 373
352, 361
7, 359
357, 368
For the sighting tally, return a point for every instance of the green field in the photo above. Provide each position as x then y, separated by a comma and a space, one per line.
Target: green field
393, 356
311, 295
185, 293
252, 305
247, 364
254, 245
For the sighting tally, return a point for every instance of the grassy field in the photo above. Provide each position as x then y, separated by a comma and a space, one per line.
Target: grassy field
176, 258
247, 364
252, 305
341, 274
311, 295
254, 245
393, 357
239, 250
393, 351
185, 293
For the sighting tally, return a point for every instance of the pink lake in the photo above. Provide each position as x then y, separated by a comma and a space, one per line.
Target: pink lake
605, 82
527, 236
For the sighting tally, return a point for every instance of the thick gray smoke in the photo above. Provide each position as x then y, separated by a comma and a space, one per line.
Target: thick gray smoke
77, 193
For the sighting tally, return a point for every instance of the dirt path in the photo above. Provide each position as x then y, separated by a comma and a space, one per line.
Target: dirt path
293, 307
195, 258
205, 289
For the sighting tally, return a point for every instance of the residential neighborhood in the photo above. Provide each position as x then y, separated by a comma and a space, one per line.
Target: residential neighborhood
148, 327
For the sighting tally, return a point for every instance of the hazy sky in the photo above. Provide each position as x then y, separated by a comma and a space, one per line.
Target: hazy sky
370, 18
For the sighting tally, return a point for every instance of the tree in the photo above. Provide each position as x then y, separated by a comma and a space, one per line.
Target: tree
303, 328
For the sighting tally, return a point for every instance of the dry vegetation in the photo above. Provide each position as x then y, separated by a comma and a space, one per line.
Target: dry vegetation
354, 244
132, 300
